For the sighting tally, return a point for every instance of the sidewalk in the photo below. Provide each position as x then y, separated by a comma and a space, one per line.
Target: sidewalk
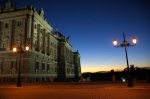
75, 91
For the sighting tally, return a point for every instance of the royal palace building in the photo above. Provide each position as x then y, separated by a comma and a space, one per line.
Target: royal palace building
50, 56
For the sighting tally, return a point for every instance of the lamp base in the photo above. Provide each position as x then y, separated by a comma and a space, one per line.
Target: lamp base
130, 85
18, 84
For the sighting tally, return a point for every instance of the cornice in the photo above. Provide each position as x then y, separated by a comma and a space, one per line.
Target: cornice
15, 14
42, 22
68, 46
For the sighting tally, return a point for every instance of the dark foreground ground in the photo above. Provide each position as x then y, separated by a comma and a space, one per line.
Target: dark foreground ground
105, 90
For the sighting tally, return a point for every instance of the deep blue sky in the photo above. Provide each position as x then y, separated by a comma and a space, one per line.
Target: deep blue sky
93, 24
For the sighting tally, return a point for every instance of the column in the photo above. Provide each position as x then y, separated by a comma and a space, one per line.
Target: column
38, 36
29, 20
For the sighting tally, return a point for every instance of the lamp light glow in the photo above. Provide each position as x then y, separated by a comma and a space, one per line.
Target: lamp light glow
27, 48
115, 42
14, 49
134, 40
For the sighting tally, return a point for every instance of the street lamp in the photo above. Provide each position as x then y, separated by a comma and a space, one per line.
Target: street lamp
125, 45
20, 50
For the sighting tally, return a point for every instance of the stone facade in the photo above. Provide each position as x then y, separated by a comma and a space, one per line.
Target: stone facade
50, 58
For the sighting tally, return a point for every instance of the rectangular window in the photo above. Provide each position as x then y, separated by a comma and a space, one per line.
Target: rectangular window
35, 26
72, 70
12, 64
43, 66
1, 66
19, 23
16, 65
68, 70
36, 65
48, 66
6, 25
55, 69
3, 45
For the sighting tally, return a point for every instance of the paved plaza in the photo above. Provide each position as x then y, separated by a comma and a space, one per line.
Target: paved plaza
105, 90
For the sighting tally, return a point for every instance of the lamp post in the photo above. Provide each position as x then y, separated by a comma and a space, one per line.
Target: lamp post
125, 45
20, 50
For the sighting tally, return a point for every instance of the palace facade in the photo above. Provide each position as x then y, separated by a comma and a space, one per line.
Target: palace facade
50, 56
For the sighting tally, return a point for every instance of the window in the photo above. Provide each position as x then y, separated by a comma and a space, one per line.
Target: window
13, 64
48, 67
56, 69
72, 70
19, 23
35, 26
3, 45
55, 46
6, 25
43, 66
36, 65
68, 70
1, 65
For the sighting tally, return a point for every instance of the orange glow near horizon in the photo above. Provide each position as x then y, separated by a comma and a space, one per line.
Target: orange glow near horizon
96, 68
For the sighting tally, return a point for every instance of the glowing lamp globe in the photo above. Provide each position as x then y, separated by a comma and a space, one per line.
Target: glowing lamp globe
27, 48
14, 49
134, 40
115, 42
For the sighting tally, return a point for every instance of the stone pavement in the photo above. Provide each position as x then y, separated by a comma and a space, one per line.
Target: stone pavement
75, 91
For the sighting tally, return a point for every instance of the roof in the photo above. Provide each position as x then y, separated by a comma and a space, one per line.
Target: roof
57, 34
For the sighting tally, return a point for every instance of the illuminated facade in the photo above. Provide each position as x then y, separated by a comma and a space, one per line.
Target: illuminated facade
50, 57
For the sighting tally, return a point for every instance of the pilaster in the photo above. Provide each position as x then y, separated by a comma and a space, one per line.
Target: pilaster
29, 21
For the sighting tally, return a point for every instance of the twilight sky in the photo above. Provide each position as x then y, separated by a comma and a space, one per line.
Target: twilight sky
92, 26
